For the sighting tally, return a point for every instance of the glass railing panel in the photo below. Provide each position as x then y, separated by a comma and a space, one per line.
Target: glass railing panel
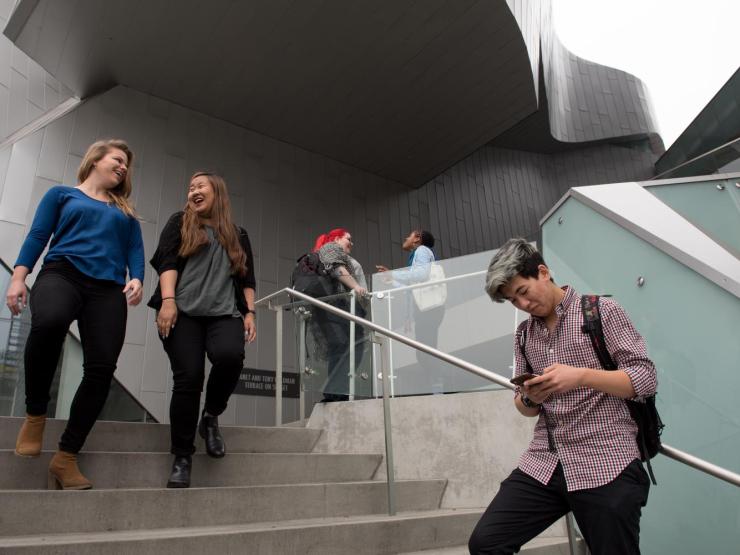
690, 326
445, 308
13, 333
334, 356
713, 206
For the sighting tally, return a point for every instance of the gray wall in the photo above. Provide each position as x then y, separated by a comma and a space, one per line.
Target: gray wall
497, 193
26, 90
283, 195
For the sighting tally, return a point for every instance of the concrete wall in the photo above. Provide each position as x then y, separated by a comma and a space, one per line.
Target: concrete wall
473, 440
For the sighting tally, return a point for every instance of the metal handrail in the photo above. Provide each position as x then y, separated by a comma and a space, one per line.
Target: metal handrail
670, 452
382, 292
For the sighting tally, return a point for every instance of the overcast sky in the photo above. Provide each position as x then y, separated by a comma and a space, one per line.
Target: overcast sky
684, 50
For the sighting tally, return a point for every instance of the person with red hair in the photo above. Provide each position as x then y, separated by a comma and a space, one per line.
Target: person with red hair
333, 235
334, 250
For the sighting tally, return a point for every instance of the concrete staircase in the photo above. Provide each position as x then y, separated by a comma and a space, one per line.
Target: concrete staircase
271, 494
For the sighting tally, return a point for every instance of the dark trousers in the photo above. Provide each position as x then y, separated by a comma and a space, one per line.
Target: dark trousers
61, 295
608, 516
221, 338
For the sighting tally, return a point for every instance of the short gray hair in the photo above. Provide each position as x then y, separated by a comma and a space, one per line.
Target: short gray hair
510, 261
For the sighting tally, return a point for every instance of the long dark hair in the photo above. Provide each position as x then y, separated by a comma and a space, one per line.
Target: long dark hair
193, 233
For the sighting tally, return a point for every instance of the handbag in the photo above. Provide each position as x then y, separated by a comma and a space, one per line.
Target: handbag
433, 295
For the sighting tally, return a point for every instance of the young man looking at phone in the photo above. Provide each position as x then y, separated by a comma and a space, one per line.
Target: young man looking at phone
584, 455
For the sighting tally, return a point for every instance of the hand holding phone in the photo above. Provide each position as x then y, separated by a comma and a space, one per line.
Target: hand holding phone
521, 378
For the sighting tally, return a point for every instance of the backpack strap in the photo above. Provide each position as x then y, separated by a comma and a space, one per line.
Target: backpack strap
593, 327
543, 412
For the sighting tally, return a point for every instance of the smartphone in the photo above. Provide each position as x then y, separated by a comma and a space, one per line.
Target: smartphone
521, 378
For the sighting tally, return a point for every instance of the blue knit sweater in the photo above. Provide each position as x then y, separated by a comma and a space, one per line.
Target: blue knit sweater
96, 237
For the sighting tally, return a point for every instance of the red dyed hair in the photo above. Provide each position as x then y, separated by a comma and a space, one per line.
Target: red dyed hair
325, 238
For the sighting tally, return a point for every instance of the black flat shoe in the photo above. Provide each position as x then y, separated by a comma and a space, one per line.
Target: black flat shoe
208, 430
180, 476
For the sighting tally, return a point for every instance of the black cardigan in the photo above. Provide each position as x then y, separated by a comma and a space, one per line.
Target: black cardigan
166, 258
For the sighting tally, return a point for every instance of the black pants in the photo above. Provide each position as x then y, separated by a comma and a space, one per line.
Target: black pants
608, 516
193, 337
61, 295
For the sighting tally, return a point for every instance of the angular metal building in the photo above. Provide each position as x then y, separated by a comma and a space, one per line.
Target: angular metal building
468, 118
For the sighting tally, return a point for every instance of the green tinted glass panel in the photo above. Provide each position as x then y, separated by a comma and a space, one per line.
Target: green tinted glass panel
691, 328
712, 206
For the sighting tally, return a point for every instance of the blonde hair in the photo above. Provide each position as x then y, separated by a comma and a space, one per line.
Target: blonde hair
119, 195
193, 234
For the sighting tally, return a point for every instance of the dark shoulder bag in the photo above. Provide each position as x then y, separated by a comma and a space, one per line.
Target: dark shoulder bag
645, 414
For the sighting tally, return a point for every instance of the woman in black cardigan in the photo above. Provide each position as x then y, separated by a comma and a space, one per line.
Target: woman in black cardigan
206, 287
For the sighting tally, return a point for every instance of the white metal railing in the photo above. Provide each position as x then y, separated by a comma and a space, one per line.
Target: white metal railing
267, 302
380, 294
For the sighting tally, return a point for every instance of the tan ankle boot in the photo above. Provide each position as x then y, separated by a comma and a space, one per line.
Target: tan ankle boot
65, 474
30, 435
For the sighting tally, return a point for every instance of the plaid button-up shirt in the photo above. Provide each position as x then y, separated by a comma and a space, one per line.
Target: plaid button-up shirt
593, 432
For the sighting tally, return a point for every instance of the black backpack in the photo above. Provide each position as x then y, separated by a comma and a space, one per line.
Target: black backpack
645, 414
310, 277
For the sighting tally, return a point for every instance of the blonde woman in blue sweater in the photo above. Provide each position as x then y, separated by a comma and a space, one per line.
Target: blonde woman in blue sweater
94, 266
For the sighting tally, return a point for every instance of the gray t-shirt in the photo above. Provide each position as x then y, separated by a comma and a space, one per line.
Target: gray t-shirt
205, 287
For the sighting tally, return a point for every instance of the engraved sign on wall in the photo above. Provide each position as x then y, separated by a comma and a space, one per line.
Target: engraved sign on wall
253, 381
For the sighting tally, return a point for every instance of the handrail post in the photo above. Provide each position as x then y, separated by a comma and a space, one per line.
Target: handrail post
572, 538
382, 343
390, 348
301, 365
279, 367
352, 332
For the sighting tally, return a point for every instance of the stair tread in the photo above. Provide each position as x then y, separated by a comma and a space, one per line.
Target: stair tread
463, 549
220, 488
151, 437
107, 470
117, 423
28, 513
192, 531
84, 453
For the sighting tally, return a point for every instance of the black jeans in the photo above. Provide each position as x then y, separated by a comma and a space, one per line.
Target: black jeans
193, 337
608, 516
61, 295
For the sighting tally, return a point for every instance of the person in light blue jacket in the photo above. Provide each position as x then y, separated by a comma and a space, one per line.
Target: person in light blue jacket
94, 266
420, 244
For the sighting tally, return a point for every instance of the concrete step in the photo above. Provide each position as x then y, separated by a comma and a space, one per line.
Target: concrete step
155, 438
55, 512
151, 470
366, 535
538, 546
